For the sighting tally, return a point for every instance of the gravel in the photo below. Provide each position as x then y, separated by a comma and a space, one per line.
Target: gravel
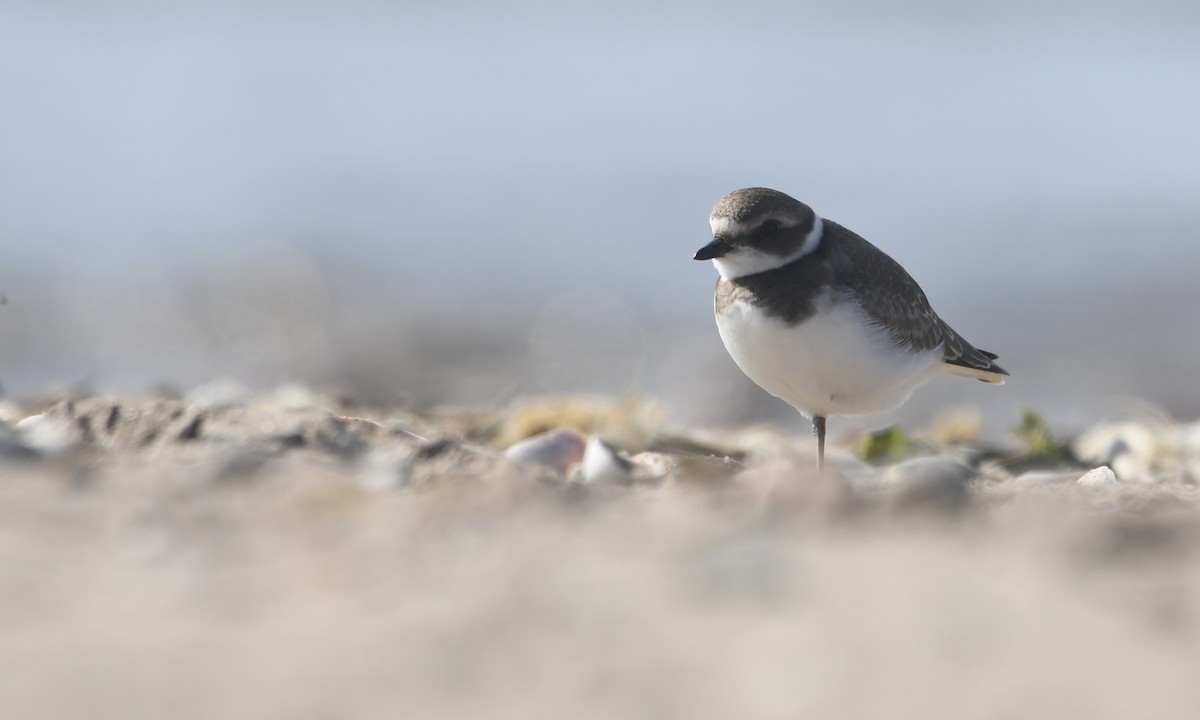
287, 557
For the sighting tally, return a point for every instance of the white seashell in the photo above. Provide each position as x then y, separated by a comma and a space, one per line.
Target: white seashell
556, 449
602, 464
47, 434
1102, 475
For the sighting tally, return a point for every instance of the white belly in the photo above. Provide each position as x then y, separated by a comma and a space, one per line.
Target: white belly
835, 363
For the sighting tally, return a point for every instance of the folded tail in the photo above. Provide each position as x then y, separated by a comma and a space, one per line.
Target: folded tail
973, 363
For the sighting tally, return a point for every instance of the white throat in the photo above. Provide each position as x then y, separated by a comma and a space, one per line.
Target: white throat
748, 261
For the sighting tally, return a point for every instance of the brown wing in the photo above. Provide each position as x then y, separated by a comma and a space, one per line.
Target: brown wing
893, 299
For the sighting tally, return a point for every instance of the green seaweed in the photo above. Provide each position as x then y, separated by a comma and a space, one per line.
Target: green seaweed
885, 446
1032, 430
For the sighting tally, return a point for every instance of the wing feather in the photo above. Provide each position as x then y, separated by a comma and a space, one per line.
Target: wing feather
891, 297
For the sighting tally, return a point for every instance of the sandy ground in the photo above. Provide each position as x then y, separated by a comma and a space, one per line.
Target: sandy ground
272, 559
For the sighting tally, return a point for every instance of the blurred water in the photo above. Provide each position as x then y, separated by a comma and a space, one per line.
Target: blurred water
409, 201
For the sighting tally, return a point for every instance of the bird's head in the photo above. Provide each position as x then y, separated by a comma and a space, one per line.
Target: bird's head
759, 229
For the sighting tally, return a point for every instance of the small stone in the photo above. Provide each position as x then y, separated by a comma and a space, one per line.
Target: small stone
48, 434
342, 436
930, 482
1102, 475
558, 450
602, 464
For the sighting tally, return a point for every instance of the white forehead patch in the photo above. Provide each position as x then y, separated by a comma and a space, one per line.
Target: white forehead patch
725, 226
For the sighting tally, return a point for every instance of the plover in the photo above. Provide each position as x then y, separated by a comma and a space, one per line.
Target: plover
821, 318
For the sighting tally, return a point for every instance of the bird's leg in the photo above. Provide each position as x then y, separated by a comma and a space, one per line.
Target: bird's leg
819, 431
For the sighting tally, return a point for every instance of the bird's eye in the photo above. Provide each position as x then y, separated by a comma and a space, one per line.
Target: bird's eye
769, 227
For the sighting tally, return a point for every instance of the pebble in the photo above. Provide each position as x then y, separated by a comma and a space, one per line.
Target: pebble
558, 450
343, 436
48, 434
930, 482
602, 464
1096, 477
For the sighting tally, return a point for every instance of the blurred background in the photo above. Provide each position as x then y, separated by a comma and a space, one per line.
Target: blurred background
463, 202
